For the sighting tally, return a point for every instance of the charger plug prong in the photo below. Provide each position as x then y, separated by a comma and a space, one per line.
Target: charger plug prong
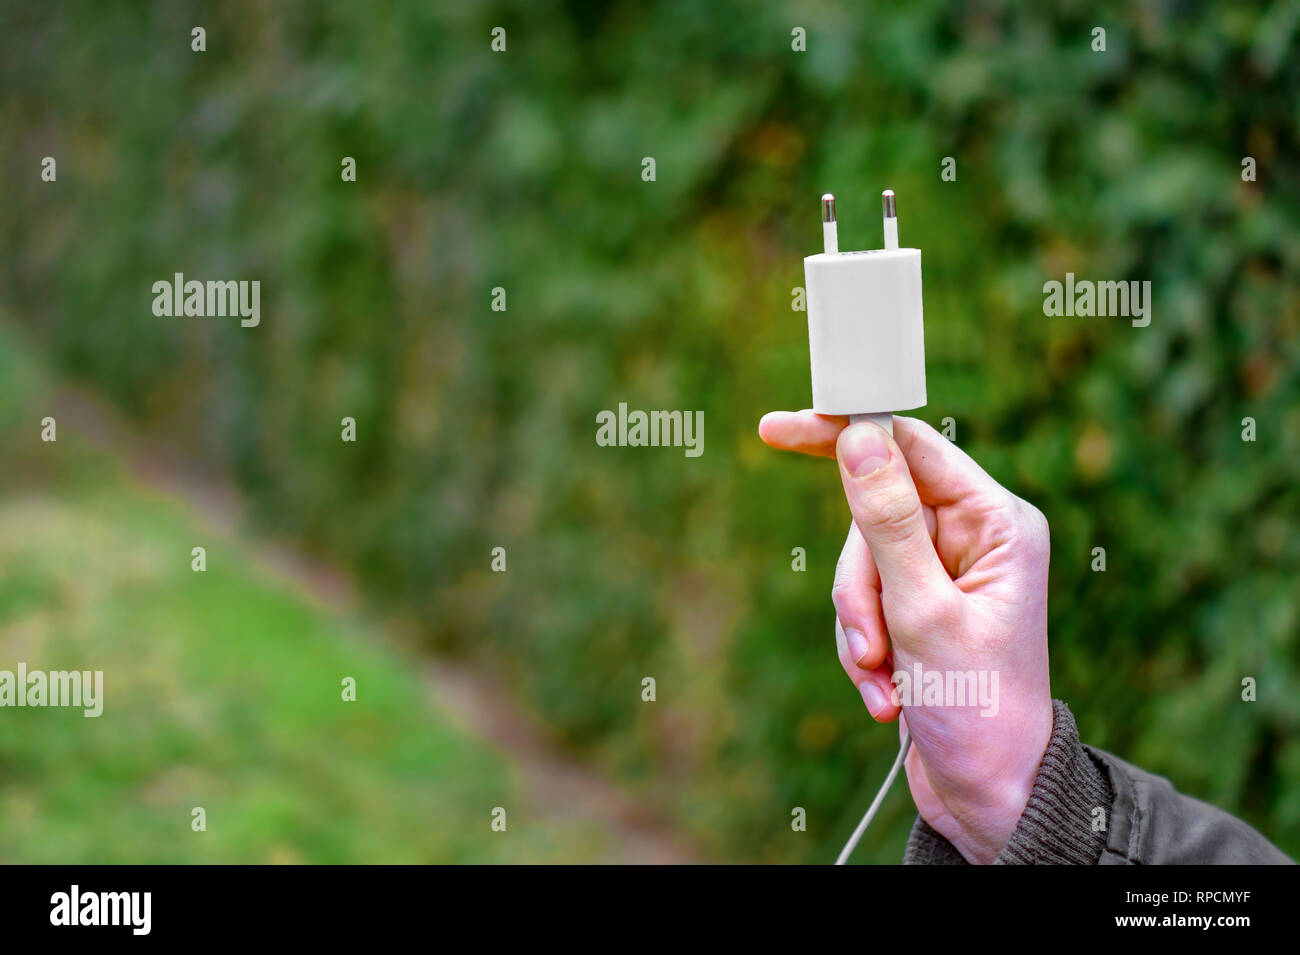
830, 231
891, 219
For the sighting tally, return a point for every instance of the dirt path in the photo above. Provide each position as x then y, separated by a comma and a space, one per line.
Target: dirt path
555, 786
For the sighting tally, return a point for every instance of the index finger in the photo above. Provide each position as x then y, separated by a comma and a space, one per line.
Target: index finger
806, 432
944, 474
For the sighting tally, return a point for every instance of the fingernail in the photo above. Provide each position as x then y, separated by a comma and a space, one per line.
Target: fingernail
872, 696
863, 448
858, 646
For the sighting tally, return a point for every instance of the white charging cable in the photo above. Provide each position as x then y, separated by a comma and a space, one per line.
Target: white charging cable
875, 803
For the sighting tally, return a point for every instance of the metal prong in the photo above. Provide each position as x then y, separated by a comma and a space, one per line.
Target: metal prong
891, 219
828, 208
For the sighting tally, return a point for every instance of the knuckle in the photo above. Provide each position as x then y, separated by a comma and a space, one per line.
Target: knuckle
1032, 529
844, 596
892, 512
842, 651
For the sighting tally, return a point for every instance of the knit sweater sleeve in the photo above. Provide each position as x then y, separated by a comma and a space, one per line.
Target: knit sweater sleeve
1057, 826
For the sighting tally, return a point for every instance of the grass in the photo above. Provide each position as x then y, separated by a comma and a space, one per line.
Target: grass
222, 691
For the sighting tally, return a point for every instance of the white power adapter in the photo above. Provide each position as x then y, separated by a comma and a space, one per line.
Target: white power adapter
866, 338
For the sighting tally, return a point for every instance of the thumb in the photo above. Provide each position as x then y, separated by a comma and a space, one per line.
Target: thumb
888, 512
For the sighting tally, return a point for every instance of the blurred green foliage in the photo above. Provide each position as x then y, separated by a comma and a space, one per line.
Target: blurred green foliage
221, 690
476, 428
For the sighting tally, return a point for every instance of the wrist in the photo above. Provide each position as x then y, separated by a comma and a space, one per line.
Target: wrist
990, 811
1059, 824
995, 819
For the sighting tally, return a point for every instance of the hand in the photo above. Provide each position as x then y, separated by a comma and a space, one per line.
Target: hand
946, 568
